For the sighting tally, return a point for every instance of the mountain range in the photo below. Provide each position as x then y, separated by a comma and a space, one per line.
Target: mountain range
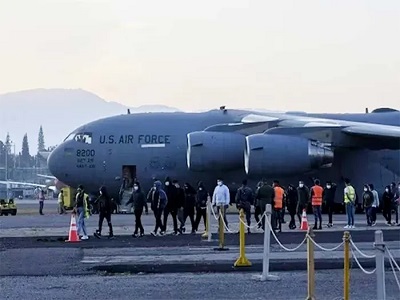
59, 111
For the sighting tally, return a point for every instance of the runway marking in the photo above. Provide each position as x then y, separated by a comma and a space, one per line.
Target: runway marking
153, 145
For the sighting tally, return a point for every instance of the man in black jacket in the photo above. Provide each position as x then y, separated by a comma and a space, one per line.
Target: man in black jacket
172, 205
328, 197
244, 200
201, 205
303, 197
139, 202
105, 208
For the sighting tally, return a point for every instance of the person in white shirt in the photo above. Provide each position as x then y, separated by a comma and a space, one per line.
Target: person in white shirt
375, 204
61, 209
221, 197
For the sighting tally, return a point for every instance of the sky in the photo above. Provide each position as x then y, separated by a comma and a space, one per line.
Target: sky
334, 56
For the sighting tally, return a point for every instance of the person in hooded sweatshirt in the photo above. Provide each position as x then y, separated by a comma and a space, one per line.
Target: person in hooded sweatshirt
172, 205
368, 199
139, 202
387, 198
292, 199
201, 205
180, 203
159, 200
328, 197
105, 208
190, 203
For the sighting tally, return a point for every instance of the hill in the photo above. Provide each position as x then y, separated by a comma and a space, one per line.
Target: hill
59, 111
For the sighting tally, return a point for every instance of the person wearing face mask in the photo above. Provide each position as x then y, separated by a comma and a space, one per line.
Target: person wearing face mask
387, 198
180, 203
139, 202
221, 197
172, 205
368, 199
105, 208
303, 195
292, 205
349, 202
159, 200
201, 205
328, 197
375, 204
190, 203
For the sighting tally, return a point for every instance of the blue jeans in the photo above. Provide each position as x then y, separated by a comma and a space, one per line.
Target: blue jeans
317, 214
368, 214
350, 210
81, 221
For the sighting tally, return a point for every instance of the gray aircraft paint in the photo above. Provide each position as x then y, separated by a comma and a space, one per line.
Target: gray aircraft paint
156, 143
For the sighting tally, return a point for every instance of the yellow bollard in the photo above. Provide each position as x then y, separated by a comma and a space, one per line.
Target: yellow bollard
310, 265
242, 261
346, 267
205, 234
221, 231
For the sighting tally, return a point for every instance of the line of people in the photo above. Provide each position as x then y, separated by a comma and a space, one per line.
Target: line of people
187, 202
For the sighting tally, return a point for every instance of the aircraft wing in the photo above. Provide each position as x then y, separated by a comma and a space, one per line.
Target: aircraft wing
23, 183
46, 176
338, 133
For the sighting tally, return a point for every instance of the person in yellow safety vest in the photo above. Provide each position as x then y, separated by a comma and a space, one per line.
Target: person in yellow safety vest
278, 205
316, 202
349, 202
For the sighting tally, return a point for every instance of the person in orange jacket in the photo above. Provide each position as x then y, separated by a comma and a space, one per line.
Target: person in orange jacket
278, 204
316, 202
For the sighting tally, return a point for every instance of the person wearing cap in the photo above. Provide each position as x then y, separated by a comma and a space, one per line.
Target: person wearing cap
80, 211
221, 198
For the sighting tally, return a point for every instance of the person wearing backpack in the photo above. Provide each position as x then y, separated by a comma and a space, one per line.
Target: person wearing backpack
244, 200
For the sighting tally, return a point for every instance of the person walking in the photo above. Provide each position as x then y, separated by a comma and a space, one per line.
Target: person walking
221, 198
244, 200
159, 200
139, 203
105, 208
201, 205
266, 195
292, 200
387, 198
60, 201
368, 200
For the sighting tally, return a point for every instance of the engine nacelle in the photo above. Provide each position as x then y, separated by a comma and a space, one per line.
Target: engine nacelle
208, 151
284, 155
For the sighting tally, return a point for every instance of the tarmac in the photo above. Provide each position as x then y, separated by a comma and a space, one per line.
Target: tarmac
26, 240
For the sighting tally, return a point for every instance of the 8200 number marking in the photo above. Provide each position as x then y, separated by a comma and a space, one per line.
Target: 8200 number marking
85, 153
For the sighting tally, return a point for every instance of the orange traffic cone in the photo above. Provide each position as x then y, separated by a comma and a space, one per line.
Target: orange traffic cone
304, 222
73, 233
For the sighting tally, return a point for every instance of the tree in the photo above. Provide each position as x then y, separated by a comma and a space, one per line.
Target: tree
41, 146
8, 143
2, 153
25, 156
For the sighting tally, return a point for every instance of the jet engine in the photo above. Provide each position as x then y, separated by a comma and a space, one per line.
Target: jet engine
208, 151
284, 155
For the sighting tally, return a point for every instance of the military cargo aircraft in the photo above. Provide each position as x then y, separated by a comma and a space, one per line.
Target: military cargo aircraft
232, 144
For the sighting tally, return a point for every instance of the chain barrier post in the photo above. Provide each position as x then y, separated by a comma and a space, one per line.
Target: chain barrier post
221, 230
265, 276
346, 266
310, 265
207, 234
379, 246
242, 261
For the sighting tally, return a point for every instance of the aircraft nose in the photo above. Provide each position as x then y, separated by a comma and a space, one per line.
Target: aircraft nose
54, 162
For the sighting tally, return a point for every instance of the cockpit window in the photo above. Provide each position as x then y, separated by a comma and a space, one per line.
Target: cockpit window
69, 137
84, 138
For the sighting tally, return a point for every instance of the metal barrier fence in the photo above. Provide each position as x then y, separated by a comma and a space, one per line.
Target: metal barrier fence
350, 250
